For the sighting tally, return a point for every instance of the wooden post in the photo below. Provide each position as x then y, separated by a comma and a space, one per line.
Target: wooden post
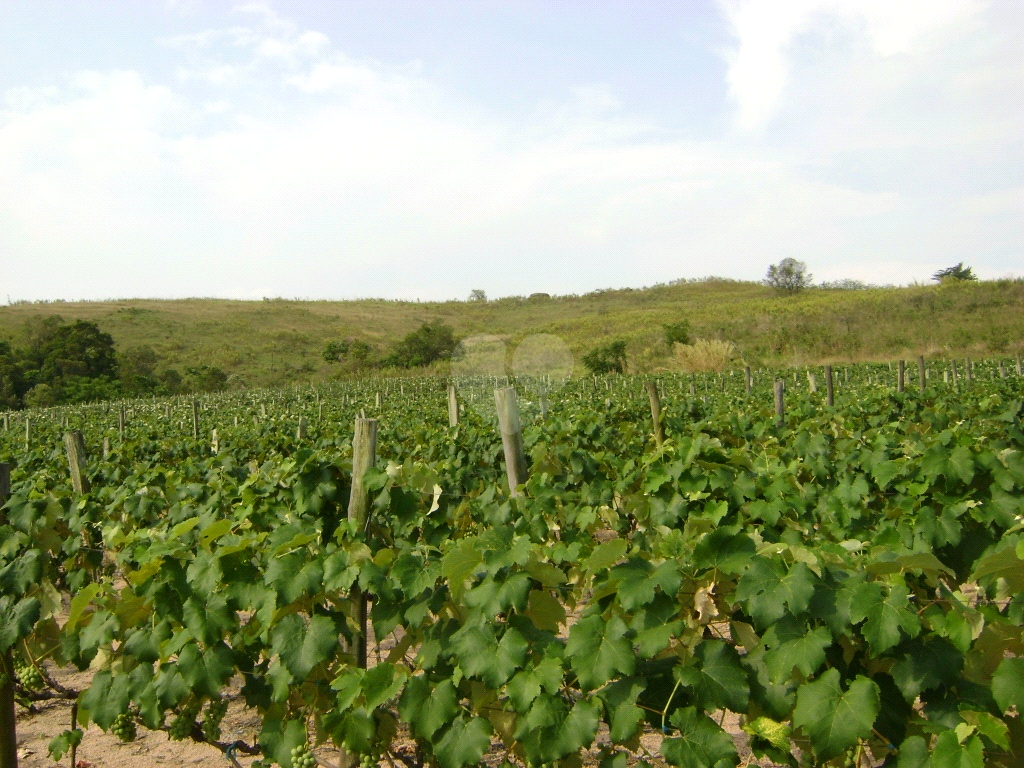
812, 381
922, 373
747, 378
7, 421
379, 398
319, 411
829, 390
1019, 371
195, 419
659, 428
120, 424
780, 408
900, 376
1002, 370
74, 444
214, 441
956, 377
8, 730
106, 448
969, 369
300, 432
364, 456
453, 406
945, 376
28, 432
511, 438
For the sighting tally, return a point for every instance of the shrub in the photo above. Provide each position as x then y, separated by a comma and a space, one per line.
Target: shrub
788, 276
428, 343
677, 333
611, 358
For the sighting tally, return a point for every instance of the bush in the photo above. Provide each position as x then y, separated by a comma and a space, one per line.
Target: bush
677, 333
335, 350
611, 358
428, 343
956, 272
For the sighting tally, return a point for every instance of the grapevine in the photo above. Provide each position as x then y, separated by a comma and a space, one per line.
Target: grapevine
847, 583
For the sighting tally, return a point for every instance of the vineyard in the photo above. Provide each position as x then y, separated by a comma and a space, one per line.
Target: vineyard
756, 575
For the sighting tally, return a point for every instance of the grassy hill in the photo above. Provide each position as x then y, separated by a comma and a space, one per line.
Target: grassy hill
279, 341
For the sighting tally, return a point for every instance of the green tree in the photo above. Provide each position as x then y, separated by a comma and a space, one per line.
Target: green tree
205, 378
428, 343
677, 333
335, 350
956, 272
610, 358
11, 387
788, 276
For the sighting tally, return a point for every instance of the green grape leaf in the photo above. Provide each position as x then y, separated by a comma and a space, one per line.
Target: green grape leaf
599, 651
528, 683
427, 710
464, 742
1004, 564
836, 720
545, 610
883, 617
913, 753
716, 677
458, 564
482, 655
805, 652
620, 705
1008, 684
724, 549
303, 646
768, 590
17, 619
927, 664
605, 555
701, 742
950, 753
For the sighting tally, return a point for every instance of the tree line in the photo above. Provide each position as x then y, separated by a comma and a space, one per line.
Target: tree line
58, 362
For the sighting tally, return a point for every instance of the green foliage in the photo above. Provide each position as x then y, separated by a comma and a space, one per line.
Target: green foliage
205, 378
427, 344
956, 272
335, 351
609, 358
789, 276
677, 333
842, 584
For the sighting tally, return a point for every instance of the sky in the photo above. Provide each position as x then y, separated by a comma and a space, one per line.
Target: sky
420, 149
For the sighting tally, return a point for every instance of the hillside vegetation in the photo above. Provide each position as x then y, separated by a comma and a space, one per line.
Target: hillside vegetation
271, 342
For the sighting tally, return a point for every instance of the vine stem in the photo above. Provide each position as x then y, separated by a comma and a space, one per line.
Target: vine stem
668, 704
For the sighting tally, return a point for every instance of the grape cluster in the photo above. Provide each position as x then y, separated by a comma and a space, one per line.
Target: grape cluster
214, 714
124, 727
28, 676
302, 757
368, 761
182, 725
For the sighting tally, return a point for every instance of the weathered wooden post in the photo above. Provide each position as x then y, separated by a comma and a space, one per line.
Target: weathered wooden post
829, 390
7, 421
120, 424
379, 399
969, 369
900, 376
1002, 370
300, 432
812, 382
511, 438
1020, 372
922, 372
8, 731
747, 379
28, 432
74, 444
214, 442
453, 406
659, 428
780, 409
106, 448
956, 376
195, 419
364, 457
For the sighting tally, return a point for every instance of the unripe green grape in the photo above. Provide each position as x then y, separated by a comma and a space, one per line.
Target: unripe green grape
182, 725
124, 727
28, 676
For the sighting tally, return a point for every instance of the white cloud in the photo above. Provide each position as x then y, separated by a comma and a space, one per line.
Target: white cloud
766, 30
363, 179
